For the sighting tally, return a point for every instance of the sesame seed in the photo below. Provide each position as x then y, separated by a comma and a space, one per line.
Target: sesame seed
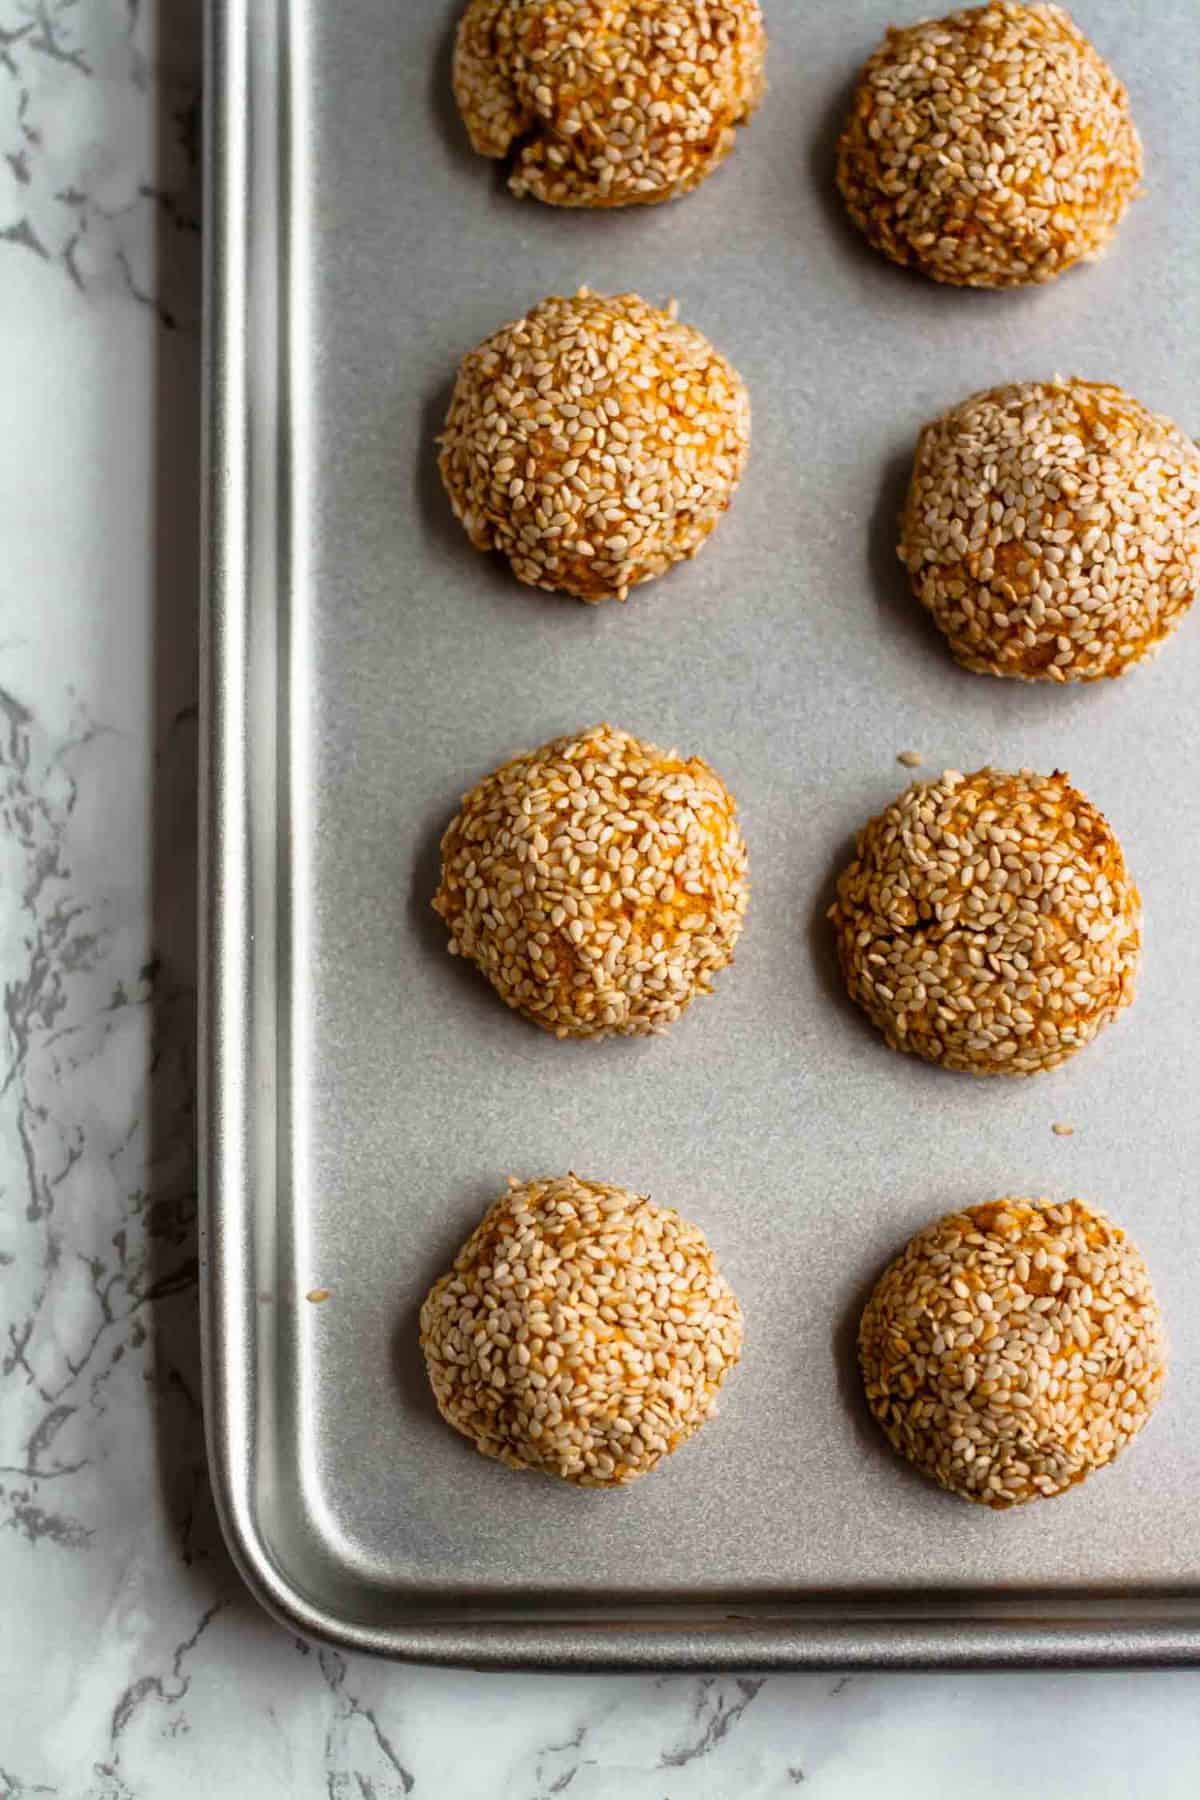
1082, 1362
317, 1295
1061, 1130
910, 758
608, 106
582, 1331
990, 148
987, 922
1044, 593
580, 520
528, 895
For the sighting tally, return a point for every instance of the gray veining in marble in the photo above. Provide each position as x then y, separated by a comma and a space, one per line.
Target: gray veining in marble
132, 1664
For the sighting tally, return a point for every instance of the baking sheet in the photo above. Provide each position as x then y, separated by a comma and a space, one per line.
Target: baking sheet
368, 1095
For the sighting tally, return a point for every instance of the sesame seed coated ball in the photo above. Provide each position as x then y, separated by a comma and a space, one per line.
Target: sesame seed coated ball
1013, 1348
594, 443
1052, 528
991, 148
582, 1331
608, 102
988, 922
599, 883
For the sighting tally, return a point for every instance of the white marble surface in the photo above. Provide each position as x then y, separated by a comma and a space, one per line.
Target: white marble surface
131, 1662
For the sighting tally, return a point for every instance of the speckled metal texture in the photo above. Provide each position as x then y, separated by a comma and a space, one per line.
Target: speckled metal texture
366, 1095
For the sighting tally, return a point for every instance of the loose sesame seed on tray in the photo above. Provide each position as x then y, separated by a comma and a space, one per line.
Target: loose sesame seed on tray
599, 883
987, 922
583, 1331
608, 102
1013, 1348
594, 443
989, 148
1052, 528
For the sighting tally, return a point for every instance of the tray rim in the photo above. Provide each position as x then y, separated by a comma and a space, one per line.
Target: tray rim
246, 46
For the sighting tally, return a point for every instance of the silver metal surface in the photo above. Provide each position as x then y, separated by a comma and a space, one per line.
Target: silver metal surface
366, 1095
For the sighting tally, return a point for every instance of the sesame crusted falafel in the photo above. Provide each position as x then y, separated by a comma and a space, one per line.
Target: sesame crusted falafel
594, 443
990, 148
598, 882
1013, 1348
608, 102
987, 922
583, 1331
1052, 528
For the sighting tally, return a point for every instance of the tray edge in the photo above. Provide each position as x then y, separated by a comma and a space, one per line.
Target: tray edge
229, 1177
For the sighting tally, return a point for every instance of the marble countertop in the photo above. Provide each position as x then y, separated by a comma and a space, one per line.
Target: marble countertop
132, 1663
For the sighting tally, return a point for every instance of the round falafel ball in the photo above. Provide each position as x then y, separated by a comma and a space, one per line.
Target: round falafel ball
1013, 1348
608, 102
987, 922
990, 148
583, 1331
599, 883
594, 443
1052, 528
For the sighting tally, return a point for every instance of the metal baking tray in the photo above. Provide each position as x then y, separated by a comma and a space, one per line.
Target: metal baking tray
366, 1096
